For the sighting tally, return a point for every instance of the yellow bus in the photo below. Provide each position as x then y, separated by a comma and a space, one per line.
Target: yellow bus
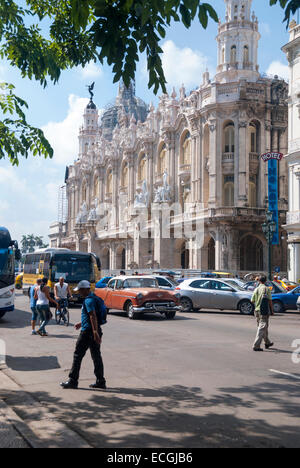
56, 263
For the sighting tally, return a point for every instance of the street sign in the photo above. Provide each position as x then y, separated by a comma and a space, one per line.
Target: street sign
269, 156
277, 270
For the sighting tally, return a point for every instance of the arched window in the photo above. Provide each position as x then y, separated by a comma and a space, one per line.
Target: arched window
246, 54
229, 136
253, 138
109, 182
233, 54
252, 194
142, 175
125, 176
223, 55
229, 194
84, 192
186, 149
251, 254
96, 187
162, 160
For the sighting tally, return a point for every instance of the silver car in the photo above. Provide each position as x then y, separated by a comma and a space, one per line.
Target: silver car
200, 293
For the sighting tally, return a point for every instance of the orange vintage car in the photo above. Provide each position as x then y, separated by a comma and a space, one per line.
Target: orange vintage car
138, 295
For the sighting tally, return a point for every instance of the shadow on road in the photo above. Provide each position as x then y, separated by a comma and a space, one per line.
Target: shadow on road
32, 363
178, 416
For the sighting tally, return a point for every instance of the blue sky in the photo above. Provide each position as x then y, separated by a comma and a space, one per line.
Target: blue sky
28, 193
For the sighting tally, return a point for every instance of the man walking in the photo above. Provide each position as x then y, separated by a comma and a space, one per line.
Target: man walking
93, 309
33, 305
262, 300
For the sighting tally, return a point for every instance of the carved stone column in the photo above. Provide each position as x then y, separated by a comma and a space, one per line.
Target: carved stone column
243, 157
213, 164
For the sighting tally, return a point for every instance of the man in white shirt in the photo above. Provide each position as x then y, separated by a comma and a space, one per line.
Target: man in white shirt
62, 291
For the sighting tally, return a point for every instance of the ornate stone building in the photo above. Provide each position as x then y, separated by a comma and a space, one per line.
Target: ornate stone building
292, 49
197, 152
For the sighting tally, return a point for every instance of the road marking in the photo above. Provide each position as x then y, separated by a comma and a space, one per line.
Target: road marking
285, 374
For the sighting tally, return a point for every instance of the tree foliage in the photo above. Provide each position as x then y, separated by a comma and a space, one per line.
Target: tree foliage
81, 31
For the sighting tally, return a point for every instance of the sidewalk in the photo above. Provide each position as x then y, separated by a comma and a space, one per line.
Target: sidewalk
9, 436
34, 426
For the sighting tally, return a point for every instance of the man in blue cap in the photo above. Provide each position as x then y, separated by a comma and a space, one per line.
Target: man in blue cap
89, 338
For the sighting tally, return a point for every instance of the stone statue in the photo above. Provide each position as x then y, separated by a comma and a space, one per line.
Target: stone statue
82, 216
163, 193
142, 197
90, 88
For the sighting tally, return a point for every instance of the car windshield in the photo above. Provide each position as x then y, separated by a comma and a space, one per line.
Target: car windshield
140, 283
73, 268
235, 285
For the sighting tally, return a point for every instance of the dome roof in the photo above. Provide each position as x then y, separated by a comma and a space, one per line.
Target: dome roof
91, 105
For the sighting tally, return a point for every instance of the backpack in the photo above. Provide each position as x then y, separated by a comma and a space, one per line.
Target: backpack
264, 306
101, 310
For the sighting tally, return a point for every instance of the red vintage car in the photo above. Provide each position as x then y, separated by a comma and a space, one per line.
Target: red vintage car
138, 295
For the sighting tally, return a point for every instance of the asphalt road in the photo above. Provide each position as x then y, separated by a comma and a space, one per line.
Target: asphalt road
190, 382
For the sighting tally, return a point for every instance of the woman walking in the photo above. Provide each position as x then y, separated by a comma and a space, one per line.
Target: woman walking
42, 296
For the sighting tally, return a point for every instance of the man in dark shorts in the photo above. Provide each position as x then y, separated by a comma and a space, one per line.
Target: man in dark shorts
89, 338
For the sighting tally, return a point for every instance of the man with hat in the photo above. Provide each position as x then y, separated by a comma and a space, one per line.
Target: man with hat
89, 338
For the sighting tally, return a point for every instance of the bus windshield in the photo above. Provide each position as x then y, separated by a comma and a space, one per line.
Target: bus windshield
73, 268
7, 267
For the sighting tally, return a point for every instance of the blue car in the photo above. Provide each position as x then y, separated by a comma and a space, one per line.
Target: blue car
103, 282
286, 301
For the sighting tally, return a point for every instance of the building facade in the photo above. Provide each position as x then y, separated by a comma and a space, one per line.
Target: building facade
292, 50
193, 164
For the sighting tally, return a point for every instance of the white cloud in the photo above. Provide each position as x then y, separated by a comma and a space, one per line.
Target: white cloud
28, 203
92, 70
280, 69
183, 66
63, 136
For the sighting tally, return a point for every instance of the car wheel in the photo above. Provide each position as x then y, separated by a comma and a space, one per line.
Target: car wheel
2, 314
278, 307
170, 315
130, 312
246, 308
186, 304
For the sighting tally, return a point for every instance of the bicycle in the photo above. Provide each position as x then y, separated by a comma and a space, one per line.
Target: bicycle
62, 314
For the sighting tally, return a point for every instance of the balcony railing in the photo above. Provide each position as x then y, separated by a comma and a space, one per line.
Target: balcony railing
228, 157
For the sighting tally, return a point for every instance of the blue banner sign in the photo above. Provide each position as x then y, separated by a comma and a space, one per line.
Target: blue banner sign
273, 195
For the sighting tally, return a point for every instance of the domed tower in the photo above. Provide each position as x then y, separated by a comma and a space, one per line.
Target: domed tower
90, 128
238, 43
127, 102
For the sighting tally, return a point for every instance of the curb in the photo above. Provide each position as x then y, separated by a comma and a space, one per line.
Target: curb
33, 421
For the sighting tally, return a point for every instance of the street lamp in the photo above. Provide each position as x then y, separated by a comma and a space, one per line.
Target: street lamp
269, 229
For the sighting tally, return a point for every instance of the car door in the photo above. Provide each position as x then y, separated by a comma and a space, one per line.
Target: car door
199, 293
292, 297
108, 294
223, 296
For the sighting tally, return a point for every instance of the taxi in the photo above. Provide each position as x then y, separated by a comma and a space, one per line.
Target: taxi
288, 285
138, 295
19, 281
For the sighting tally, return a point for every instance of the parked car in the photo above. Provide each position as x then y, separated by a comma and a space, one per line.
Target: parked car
201, 293
286, 301
288, 285
164, 282
103, 282
239, 282
275, 287
138, 295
